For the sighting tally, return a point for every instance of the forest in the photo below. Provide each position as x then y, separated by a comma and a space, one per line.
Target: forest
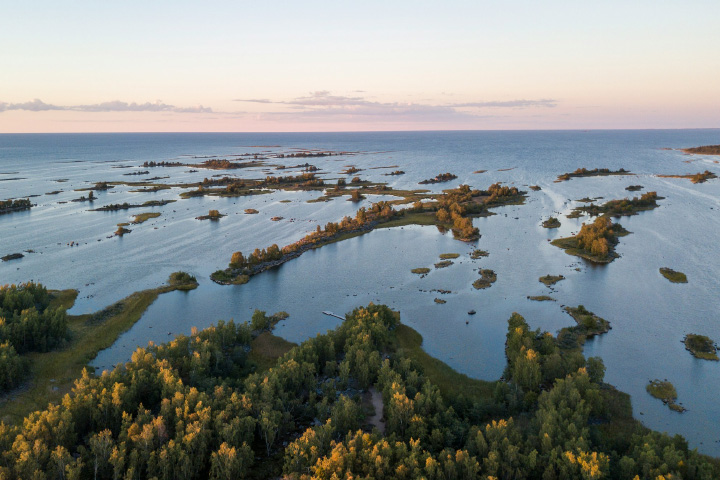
197, 407
27, 324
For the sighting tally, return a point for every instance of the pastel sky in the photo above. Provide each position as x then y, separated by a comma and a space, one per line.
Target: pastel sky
154, 65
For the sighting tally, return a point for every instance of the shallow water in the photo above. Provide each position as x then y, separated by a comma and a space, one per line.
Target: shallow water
649, 315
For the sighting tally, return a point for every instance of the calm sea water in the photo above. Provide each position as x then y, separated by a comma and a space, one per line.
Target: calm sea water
649, 315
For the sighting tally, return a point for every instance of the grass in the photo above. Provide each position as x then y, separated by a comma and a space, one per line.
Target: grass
415, 218
420, 271
266, 348
551, 280
448, 256
223, 277
144, 217
673, 276
452, 384
701, 346
541, 298
665, 391
53, 373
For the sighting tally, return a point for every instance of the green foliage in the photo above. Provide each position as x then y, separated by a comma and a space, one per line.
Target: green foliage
259, 321
13, 368
191, 409
27, 322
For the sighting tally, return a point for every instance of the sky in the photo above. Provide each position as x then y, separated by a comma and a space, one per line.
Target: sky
244, 66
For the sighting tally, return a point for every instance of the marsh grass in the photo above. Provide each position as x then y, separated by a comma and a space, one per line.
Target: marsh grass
451, 383
673, 276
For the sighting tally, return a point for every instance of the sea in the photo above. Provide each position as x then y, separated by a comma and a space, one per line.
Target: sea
66, 245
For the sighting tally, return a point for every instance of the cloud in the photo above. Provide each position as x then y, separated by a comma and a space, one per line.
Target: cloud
325, 102
34, 106
113, 106
545, 102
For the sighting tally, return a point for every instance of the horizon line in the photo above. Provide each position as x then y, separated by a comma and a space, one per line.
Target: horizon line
366, 131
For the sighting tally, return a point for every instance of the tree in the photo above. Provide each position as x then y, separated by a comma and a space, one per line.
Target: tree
259, 320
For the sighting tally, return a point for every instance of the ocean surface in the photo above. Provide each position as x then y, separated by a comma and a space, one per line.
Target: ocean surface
68, 246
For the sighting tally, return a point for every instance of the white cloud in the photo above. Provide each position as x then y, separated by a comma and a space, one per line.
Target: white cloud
113, 106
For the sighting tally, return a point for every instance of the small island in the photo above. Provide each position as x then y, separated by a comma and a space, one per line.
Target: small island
487, 278
443, 177
595, 241
420, 270
551, 222
12, 256
673, 276
701, 177
9, 206
475, 254
144, 217
701, 346
596, 172
443, 264
624, 207
182, 281
121, 230
449, 256
212, 215
113, 207
634, 188
551, 280
541, 298
704, 150
665, 391
251, 211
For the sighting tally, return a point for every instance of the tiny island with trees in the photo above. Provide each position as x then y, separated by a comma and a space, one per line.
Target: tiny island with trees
595, 241
18, 205
595, 172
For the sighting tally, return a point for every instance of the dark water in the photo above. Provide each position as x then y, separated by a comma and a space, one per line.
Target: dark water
648, 314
